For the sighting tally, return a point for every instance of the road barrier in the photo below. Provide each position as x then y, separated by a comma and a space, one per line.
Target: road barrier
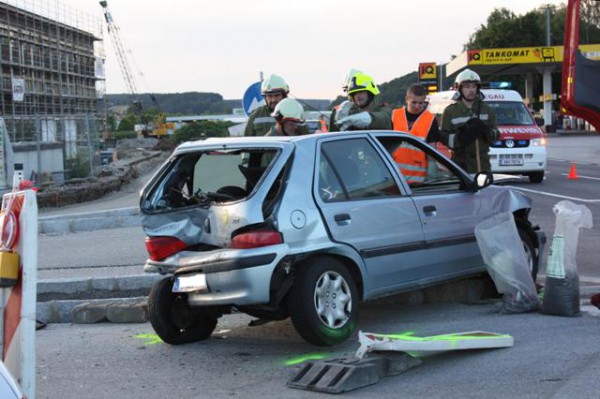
18, 296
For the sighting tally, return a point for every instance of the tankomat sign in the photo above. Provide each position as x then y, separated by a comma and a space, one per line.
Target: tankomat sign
526, 55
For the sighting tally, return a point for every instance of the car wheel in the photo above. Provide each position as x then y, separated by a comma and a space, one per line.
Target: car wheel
530, 252
324, 301
536, 177
173, 319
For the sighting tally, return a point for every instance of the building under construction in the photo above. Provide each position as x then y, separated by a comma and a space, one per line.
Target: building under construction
51, 82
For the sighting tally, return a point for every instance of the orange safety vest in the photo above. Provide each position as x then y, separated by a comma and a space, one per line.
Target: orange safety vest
323, 125
412, 161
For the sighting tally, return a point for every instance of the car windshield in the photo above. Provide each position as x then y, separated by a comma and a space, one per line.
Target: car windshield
206, 177
511, 113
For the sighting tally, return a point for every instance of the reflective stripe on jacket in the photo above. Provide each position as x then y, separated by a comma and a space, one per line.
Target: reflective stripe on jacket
412, 161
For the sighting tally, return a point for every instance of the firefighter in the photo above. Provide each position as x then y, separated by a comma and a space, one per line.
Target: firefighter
419, 122
469, 124
361, 111
289, 119
273, 89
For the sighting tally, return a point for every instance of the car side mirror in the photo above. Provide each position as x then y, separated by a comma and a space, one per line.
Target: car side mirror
483, 179
539, 121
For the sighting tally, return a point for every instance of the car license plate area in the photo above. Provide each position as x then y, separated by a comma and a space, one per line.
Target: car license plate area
190, 283
511, 160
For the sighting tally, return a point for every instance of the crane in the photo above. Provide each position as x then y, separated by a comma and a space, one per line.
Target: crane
113, 31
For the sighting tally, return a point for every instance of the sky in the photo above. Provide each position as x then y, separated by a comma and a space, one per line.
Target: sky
222, 46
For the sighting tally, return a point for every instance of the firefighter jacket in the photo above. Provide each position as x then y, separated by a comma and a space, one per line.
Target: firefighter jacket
412, 161
259, 122
469, 133
381, 116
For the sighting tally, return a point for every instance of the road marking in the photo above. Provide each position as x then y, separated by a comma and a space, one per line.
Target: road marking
593, 201
583, 177
567, 161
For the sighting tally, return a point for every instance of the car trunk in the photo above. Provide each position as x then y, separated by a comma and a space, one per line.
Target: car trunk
202, 196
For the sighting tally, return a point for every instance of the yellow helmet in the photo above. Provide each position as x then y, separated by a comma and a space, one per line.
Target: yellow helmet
361, 82
274, 84
290, 110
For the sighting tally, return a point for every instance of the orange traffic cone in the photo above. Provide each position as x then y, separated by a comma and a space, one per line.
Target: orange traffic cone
573, 173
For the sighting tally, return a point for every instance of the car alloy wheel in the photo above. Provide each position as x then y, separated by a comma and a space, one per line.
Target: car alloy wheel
333, 299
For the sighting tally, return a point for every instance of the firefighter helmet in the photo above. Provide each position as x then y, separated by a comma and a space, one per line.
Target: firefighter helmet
289, 110
361, 82
467, 76
348, 77
274, 84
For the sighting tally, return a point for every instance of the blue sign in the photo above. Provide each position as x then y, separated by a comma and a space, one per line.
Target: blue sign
252, 98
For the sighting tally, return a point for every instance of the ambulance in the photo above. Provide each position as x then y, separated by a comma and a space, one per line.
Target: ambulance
521, 145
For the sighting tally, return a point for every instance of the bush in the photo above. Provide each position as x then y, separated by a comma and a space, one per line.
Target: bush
200, 130
125, 134
78, 166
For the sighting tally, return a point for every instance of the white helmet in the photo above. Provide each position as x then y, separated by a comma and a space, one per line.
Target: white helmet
290, 110
467, 76
274, 84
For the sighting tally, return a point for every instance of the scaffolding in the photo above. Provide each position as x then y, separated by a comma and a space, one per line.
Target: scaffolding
51, 81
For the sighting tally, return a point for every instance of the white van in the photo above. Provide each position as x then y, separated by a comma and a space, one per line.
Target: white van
521, 146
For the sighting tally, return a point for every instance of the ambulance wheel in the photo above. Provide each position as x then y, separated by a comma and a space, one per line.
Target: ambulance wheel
324, 301
173, 319
536, 177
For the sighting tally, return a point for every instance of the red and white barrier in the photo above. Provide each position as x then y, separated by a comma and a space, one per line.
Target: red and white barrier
17, 303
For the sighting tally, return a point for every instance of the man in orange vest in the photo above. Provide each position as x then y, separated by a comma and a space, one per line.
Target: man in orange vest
419, 122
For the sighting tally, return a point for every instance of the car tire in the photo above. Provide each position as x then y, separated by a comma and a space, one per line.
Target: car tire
324, 301
530, 252
536, 177
173, 319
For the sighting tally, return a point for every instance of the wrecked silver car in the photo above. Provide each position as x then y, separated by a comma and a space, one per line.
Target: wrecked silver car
306, 227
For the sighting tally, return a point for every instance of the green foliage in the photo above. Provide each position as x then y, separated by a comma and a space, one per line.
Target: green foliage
201, 130
149, 115
112, 123
127, 123
78, 166
392, 92
124, 134
505, 29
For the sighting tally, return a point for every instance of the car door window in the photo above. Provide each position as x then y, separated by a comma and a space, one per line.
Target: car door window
352, 169
422, 169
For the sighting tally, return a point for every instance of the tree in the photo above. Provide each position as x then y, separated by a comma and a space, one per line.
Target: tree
506, 29
149, 115
127, 123
201, 129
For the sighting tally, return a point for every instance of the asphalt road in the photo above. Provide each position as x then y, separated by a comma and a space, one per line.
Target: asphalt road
583, 191
552, 357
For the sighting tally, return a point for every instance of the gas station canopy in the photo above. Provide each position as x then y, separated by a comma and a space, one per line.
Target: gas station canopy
521, 61
516, 60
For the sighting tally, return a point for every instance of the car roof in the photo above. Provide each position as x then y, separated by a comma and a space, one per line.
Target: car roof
266, 140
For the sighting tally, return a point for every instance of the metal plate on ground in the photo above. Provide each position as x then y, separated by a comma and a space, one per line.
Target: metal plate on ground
349, 373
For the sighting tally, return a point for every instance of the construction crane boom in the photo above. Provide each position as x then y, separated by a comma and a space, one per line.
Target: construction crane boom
113, 31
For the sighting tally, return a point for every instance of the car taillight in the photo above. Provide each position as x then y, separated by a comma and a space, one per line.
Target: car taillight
161, 247
255, 239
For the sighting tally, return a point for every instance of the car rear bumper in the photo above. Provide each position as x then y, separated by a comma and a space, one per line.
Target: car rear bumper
233, 276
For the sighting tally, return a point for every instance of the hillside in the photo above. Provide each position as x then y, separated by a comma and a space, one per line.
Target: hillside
195, 103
